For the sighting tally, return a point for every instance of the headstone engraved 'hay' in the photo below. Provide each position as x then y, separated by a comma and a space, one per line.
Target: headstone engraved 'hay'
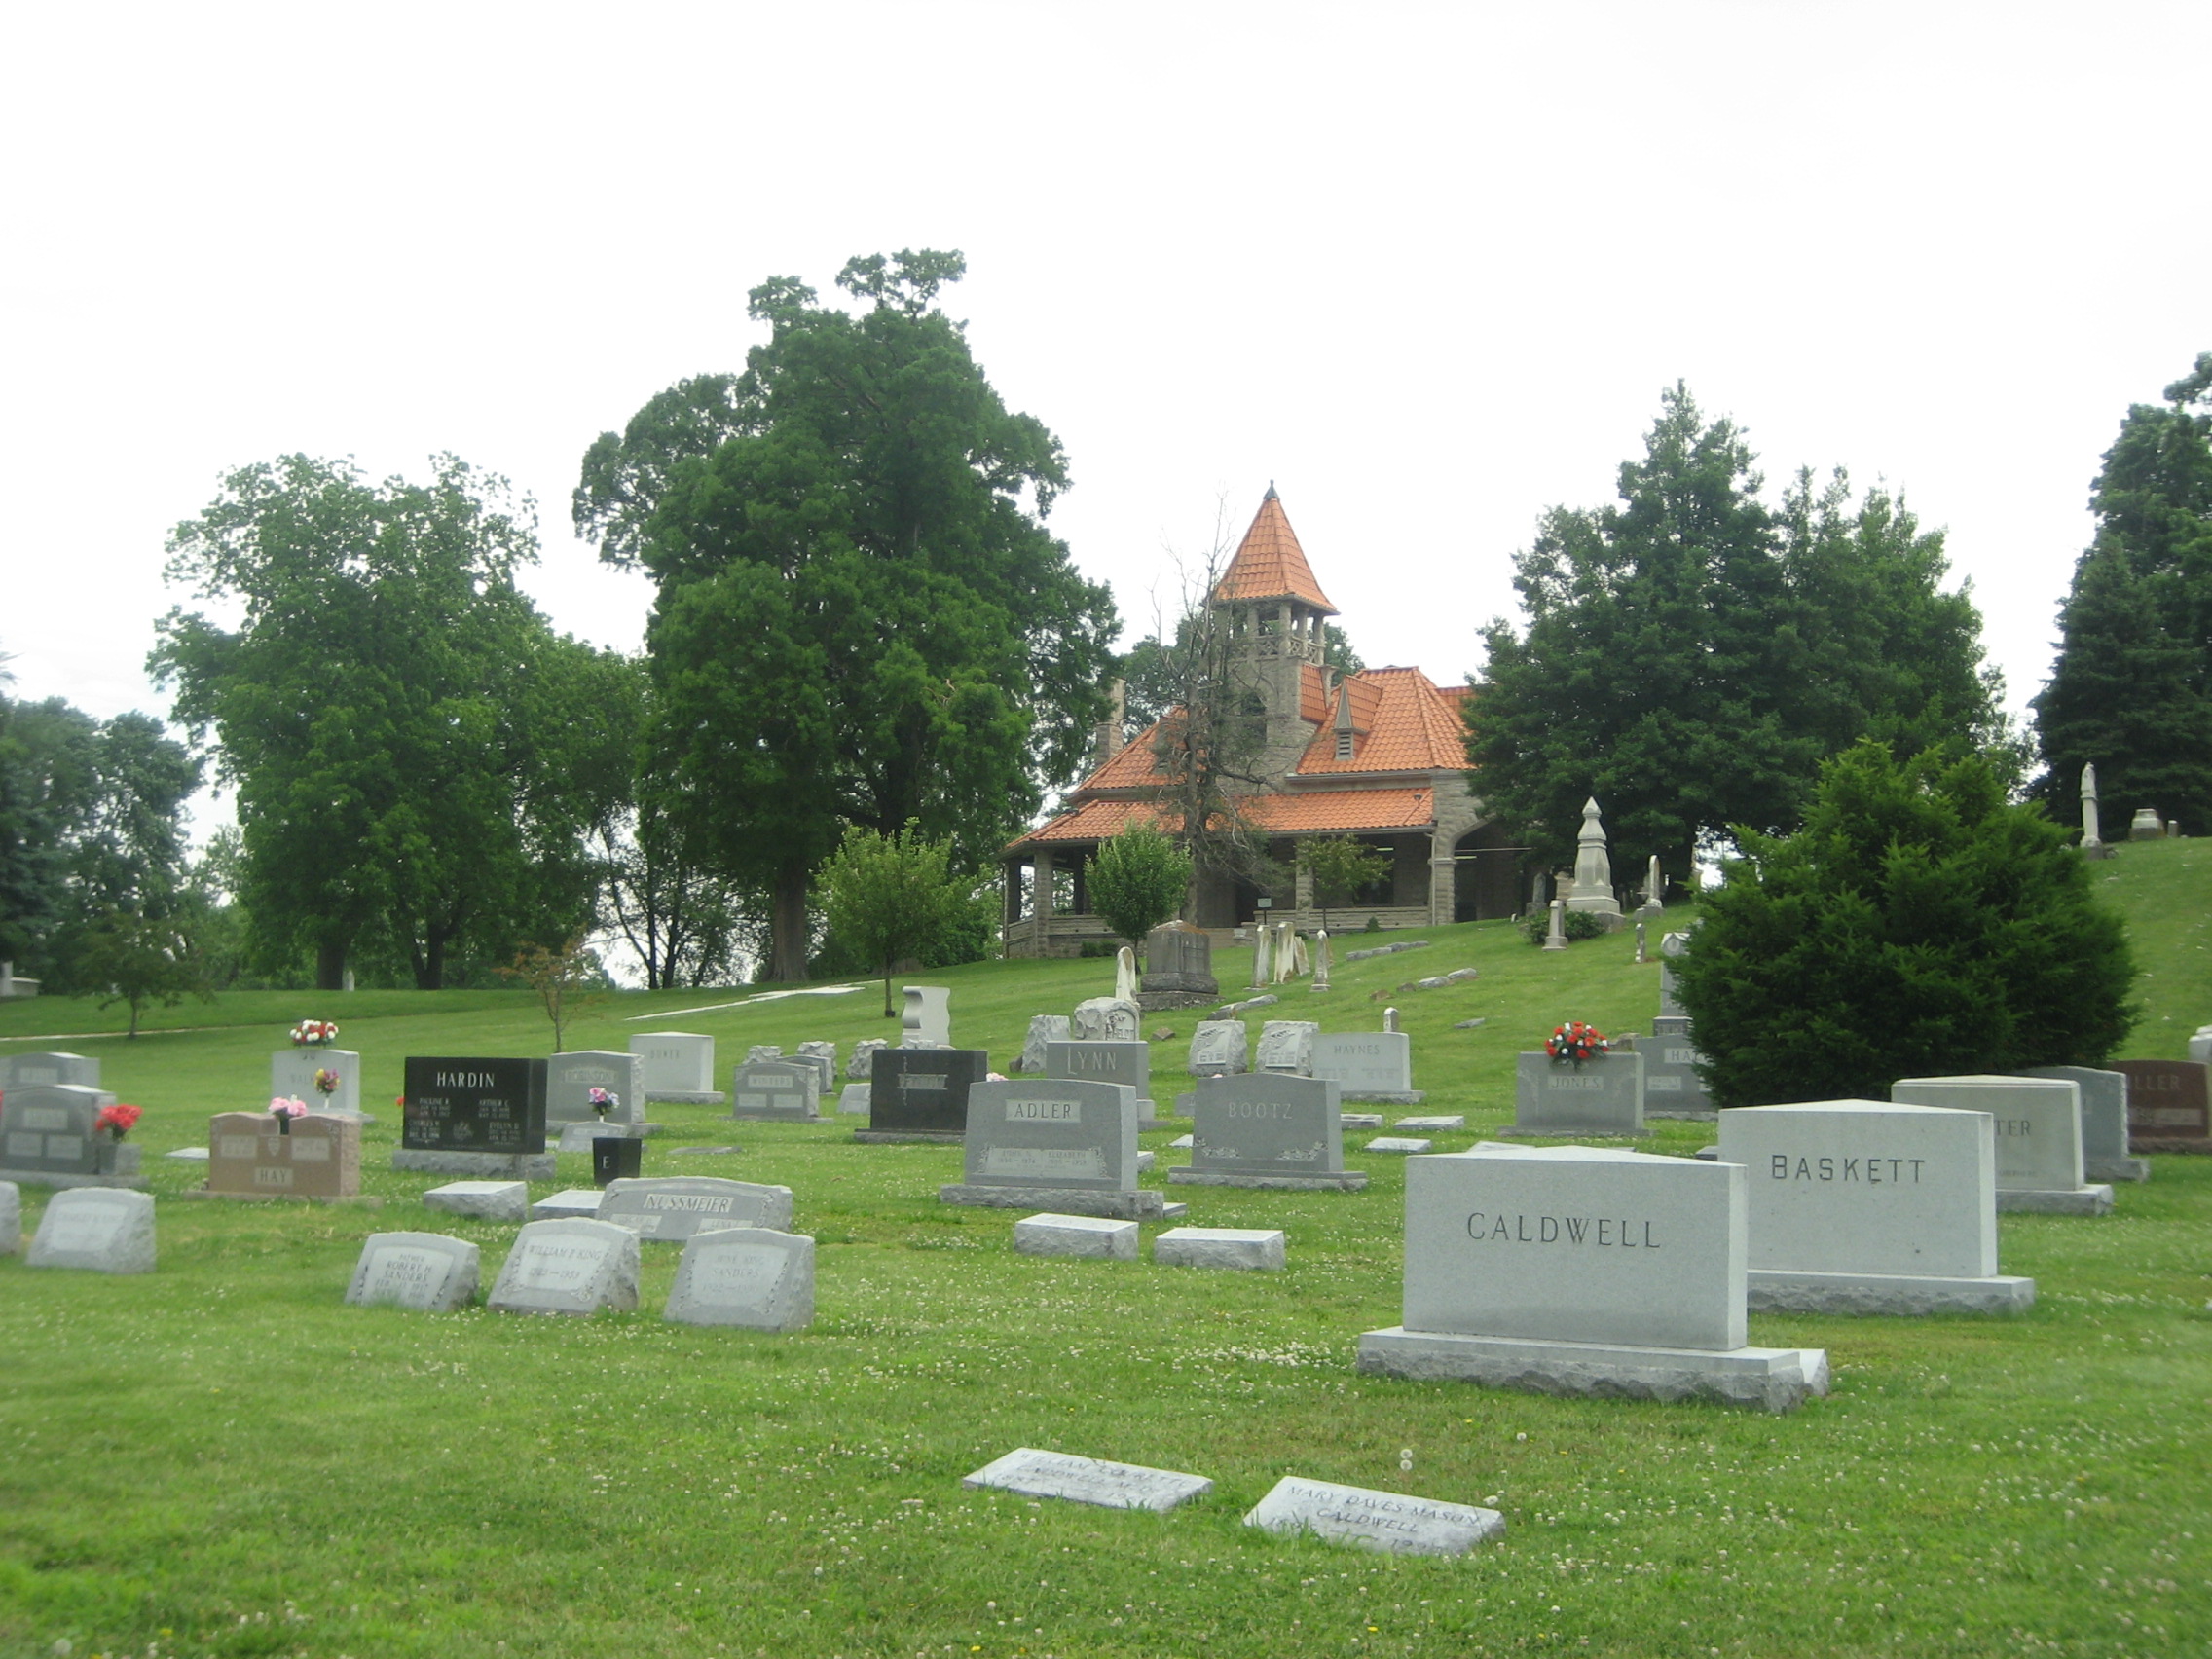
423, 1270
1088, 1480
247, 1154
1388, 1521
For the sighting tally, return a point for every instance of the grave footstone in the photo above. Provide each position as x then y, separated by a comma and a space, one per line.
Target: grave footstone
292, 1073
927, 1021
101, 1229
1583, 1271
1388, 1522
777, 1092
2169, 1106
1286, 1046
679, 1067
579, 1137
567, 1267
1443, 1120
1044, 1029
49, 1138
474, 1116
1237, 1249
249, 1154
1106, 1020
1267, 1129
481, 1200
671, 1208
1407, 1144
1056, 1143
921, 1095
755, 1278
1601, 1096
11, 1218
1219, 1047
2039, 1137
427, 1272
1376, 1066
2104, 1154
1856, 1207
572, 1076
1089, 1480
1093, 1237
1128, 1063
1360, 1120
569, 1204
21, 1071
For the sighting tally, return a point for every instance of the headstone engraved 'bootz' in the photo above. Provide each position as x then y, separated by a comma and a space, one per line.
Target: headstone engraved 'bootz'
2104, 1154
2039, 1137
249, 1156
1858, 1206
2169, 1105
1219, 1047
101, 1229
1056, 1143
921, 1095
671, 1208
1267, 1129
1603, 1096
571, 1077
1089, 1480
481, 1116
777, 1092
1388, 1521
755, 1278
1369, 1065
49, 1138
427, 1272
567, 1267
679, 1067
21, 1071
1583, 1271
927, 1020
1129, 1063
291, 1074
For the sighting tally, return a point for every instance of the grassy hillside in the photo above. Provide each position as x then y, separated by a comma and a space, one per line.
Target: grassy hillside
2164, 891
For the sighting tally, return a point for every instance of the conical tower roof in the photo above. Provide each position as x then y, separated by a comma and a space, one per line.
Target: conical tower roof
1271, 565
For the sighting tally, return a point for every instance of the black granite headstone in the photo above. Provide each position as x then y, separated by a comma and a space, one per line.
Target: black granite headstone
923, 1091
474, 1105
616, 1157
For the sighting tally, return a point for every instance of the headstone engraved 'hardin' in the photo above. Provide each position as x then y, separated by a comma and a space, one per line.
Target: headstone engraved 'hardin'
569, 1267
486, 1105
1858, 1206
1089, 1480
1603, 1096
2104, 1153
1267, 1129
671, 1208
776, 1091
2039, 1137
47, 1129
1583, 1271
427, 1271
679, 1067
101, 1229
1388, 1521
754, 1278
2169, 1105
320, 1158
923, 1091
1369, 1065
1219, 1047
291, 1074
21, 1071
572, 1076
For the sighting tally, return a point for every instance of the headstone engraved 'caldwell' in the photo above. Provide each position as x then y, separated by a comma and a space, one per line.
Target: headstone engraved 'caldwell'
476, 1117
247, 1156
1858, 1206
776, 1091
48, 1138
1369, 1065
2104, 1154
2039, 1137
922, 1093
1089, 1480
927, 1019
1603, 1096
2169, 1105
21, 1071
1267, 1129
571, 1077
101, 1229
1053, 1143
427, 1271
1575, 1269
1388, 1522
671, 1208
679, 1067
567, 1267
291, 1074
1128, 1063
753, 1278
1219, 1047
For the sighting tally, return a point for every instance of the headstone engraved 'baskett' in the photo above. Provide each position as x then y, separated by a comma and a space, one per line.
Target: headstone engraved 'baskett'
922, 1093
753, 1278
2039, 1137
1053, 1143
567, 1267
1861, 1206
250, 1156
777, 1092
427, 1271
1577, 1270
1268, 1130
2104, 1153
671, 1208
101, 1229
679, 1067
1089, 1480
1369, 1065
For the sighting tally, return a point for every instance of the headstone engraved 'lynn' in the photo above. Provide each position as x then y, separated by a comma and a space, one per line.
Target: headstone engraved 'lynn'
922, 1093
2169, 1105
754, 1278
567, 1267
679, 1067
1583, 1271
777, 1092
1056, 1143
2039, 1137
671, 1208
101, 1229
1128, 1063
1369, 1065
1268, 1130
249, 1156
1089, 1480
572, 1076
1601, 1096
427, 1271
293, 1071
1388, 1522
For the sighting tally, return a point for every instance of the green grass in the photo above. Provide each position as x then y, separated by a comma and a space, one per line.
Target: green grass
221, 1459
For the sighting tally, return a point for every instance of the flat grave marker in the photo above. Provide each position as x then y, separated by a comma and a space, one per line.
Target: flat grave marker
481, 1200
1388, 1521
1094, 1237
1239, 1250
1089, 1480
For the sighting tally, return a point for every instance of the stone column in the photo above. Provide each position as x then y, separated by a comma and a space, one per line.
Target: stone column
1301, 894
1443, 881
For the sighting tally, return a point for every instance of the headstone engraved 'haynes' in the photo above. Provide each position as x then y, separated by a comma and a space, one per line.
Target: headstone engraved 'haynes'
571, 1077
1575, 1269
292, 1073
2104, 1154
101, 1229
1369, 1065
567, 1267
776, 1091
49, 1138
2169, 1105
922, 1093
1268, 1130
680, 1067
249, 1156
1388, 1522
1601, 1096
1858, 1206
1128, 1063
1044, 1028
1286, 1046
671, 1208
1089, 1480
1672, 1085
753, 1278
2039, 1137
1219, 1047
1056, 1143
21, 1071
427, 1272
926, 1021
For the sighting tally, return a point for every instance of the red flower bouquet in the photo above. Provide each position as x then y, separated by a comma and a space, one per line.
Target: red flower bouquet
1574, 1041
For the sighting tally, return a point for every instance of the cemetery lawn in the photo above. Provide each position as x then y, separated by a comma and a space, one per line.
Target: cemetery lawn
221, 1459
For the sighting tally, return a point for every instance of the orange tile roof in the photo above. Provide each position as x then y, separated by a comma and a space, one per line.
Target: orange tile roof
1271, 565
1136, 765
1411, 726
1321, 812
1315, 704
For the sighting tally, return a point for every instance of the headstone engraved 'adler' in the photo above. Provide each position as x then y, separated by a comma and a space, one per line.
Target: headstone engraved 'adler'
101, 1229
2169, 1105
671, 1208
1089, 1480
567, 1267
1388, 1521
249, 1156
292, 1073
776, 1091
922, 1093
1064, 1144
427, 1272
679, 1067
1369, 1065
1579, 1270
2039, 1137
571, 1077
755, 1278
1859, 1206
1268, 1130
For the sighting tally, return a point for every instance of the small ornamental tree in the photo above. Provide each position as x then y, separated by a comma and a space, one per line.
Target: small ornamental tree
1341, 865
1917, 926
566, 982
890, 897
1138, 880
140, 961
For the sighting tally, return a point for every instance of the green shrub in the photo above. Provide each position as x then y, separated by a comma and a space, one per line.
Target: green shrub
1576, 925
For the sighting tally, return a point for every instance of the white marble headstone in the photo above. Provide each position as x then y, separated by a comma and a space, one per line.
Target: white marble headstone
1388, 1522
1089, 1480
423, 1270
2038, 1123
569, 1267
749, 1277
104, 1230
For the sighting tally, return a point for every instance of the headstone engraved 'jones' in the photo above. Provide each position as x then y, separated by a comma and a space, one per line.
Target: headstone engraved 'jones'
671, 1208
427, 1271
2169, 1105
249, 1156
567, 1267
1862, 1207
754, 1278
101, 1229
1268, 1130
1602, 1096
679, 1067
572, 1076
1388, 1522
1576, 1270
1058, 1143
49, 1138
1089, 1480
2039, 1137
922, 1093
776, 1091
1369, 1065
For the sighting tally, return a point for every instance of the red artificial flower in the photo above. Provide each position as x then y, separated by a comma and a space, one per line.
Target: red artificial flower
119, 1121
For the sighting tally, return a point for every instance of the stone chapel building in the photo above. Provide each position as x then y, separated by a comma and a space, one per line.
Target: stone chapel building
1379, 756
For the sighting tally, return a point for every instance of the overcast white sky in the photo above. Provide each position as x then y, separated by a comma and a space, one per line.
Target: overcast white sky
1425, 267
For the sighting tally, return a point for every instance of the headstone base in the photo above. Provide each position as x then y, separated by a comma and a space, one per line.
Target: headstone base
2116, 1170
2102, 850
1348, 1181
579, 1136
2166, 1143
364, 1118
48, 1178
1380, 1097
697, 1097
577, 1203
1775, 1380
481, 1200
361, 1200
1242, 1249
1683, 1114
1161, 1001
1142, 1204
1771, 1290
2062, 1200
1517, 1133
481, 1166
896, 1137
744, 1114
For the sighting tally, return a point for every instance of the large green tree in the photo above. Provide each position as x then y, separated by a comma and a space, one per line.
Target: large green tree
416, 753
862, 619
2131, 690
